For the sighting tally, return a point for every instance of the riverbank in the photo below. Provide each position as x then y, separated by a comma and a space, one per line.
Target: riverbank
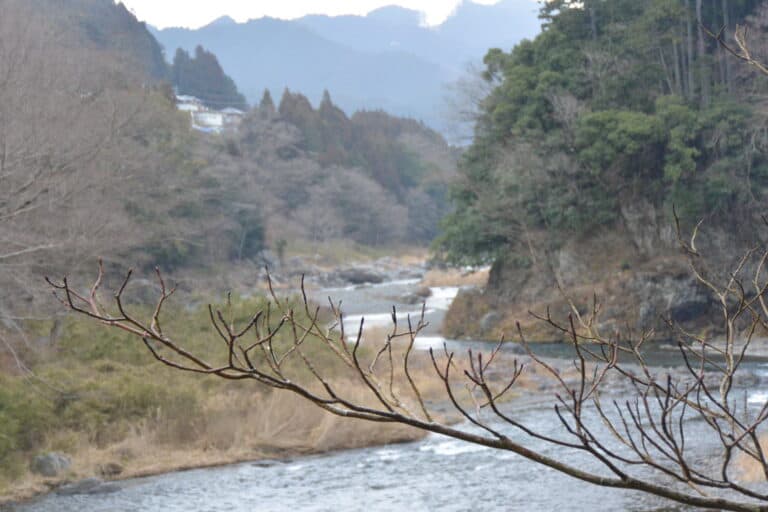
115, 414
249, 429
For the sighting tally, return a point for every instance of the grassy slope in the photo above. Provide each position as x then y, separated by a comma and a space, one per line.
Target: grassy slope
99, 397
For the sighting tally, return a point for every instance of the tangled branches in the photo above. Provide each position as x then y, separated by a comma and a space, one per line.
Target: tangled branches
741, 49
641, 443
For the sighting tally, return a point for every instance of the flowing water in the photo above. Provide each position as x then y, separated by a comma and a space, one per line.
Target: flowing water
436, 473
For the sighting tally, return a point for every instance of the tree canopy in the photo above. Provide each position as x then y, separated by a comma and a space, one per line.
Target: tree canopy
613, 102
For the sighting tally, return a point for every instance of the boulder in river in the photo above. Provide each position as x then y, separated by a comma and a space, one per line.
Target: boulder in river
410, 299
50, 464
423, 292
360, 276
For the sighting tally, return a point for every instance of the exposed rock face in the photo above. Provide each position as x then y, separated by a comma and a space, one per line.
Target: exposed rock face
50, 464
636, 270
643, 227
680, 298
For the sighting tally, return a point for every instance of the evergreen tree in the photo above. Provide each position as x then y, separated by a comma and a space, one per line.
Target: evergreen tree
267, 105
203, 77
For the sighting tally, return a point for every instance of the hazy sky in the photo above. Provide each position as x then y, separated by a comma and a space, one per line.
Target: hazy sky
196, 13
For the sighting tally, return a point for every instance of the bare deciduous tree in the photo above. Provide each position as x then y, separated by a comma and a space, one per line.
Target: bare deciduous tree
740, 48
75, 128
642, 443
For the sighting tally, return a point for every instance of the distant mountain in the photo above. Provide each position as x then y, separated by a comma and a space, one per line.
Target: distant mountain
464, 37
385, 60
480, 27
396, 15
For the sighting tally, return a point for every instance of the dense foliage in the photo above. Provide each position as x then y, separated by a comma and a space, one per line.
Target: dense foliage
615, 103
371, 178
371, 140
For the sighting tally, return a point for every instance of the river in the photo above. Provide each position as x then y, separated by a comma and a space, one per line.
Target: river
436, 473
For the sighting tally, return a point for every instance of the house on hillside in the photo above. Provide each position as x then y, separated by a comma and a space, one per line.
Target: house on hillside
208, 120
189, 103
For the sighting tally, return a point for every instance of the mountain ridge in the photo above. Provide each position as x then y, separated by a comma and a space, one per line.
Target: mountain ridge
385, 60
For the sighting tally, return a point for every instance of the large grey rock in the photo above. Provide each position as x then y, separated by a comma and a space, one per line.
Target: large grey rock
360, 276
423, 292
50, 464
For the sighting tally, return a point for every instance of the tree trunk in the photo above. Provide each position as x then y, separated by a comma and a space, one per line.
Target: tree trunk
677, 71
689, 44
726, 58
667, 75
702, 57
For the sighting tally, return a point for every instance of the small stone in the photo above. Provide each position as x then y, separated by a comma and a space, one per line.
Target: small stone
110, 469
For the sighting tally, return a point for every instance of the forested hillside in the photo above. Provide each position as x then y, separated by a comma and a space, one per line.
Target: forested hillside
99, 163
97, 25
321, 176
594, 130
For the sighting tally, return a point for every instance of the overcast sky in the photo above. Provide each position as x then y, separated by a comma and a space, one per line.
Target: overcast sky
196, 13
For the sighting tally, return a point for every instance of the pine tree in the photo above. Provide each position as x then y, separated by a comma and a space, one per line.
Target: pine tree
267, 105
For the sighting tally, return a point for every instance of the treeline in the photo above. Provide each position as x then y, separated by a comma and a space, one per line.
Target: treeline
369, 140
370, 178
616, 105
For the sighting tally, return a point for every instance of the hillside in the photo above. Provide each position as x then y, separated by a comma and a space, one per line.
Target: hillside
90, 137
106, 27
385, 60
98, 164
322, 176
593, 131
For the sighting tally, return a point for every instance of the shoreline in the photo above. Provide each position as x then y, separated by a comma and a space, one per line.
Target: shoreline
46, 487
164, 460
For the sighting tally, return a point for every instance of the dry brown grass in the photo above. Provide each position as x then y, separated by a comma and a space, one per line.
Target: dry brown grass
236, 426
749, 470
456, 277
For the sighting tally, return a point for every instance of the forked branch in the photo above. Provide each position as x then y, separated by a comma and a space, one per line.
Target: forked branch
648, 431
